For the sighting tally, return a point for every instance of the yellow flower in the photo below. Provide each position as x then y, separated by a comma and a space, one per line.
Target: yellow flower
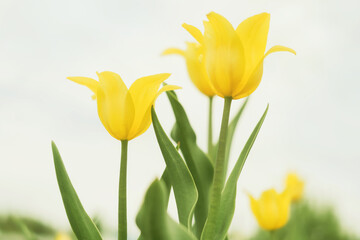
294, 186
271, 210
61, 236
234, 58
125, 113
195, 64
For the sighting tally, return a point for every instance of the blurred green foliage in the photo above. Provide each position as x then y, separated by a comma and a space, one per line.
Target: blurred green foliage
15, 227
308, 222
18, 224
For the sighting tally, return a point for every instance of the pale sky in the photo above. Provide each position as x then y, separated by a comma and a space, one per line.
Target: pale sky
312, 125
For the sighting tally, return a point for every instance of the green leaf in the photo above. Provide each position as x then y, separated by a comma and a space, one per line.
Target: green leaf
165, 177
153, 220
81, 223
180, 177
228, 196
198, 162
27, 234
231, 131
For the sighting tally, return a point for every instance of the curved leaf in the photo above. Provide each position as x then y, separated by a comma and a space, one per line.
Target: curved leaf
180, 177
81, 223
165, 177
153, 220
228, 196
198, 162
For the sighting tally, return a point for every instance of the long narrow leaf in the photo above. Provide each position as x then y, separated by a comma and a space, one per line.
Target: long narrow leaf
165, 177
180, 177
153, 220
81, 223
228, 196
198, 162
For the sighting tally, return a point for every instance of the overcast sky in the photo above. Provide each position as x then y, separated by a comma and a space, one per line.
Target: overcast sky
312, 126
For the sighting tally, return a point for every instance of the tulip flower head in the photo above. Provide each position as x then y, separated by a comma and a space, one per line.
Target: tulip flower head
195, 64
271, 210
234, 57
125, 113
294, 186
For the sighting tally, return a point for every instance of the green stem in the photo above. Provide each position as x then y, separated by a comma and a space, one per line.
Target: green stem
272, 235
210, 139
122, 222
219, 173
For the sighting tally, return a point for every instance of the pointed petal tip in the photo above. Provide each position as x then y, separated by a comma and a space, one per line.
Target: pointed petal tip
292, 51
171, 51
211, 14
185, 25
72, 78
248, 194
165, 75
174, 87
265, 14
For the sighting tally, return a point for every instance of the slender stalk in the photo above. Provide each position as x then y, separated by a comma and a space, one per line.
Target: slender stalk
210, 139
122, 219
272, 235
219, 173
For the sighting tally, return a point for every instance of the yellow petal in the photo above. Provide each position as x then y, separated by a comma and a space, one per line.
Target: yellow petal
115, 106
196, 68
224, 55
195, 32
253, 33
146, 119
294, 186
143, 92
88, 82
165, 89
269, 209
255, 77
284, 208
254, 207
173, 51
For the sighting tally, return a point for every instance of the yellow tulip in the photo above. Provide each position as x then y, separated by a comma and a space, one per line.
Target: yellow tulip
234, 58
195, 64
61, 236
271, 210
294, 186
125, 113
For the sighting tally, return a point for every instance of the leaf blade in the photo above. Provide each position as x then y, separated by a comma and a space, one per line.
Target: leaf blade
153, 220
180, 177
197, 161
81, 223
228, 196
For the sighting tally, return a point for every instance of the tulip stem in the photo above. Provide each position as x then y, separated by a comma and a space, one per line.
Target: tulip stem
272, 235
210, 139
122, 221
219, 175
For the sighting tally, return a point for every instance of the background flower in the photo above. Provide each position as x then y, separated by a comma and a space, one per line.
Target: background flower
272, 209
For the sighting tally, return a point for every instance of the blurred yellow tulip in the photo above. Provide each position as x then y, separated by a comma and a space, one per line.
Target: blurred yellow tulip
62, 236
294, 186
234, 58
125, 113
195, 64
271, 210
